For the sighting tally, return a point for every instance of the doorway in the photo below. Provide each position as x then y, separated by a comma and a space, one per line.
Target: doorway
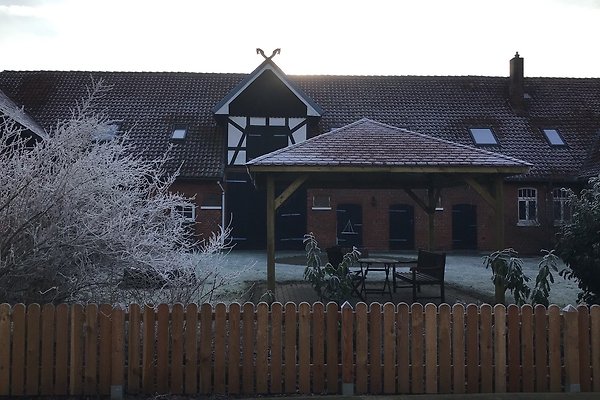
402, 227
349, 225
464, 227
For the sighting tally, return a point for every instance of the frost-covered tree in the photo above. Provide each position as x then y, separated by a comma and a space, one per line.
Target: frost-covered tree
80, 210
579, 242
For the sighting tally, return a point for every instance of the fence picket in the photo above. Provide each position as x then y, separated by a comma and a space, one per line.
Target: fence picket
585, 374
374, 337
541, 348
262, 348
162, 348
133, 349
554, 361
90, 349
472, 348
403, 354
220, 348
290, 348
318, 347
571, 350
445, 348
191, 349
233, 349
47, 362
499, 348
5, 339
362, 349
486, 349
514, 347
276, 348
32, 361
61, 363
248, 371
389, 354
206, 350
416, 354
177, 343
76, 361
117, 331
104, 348
431, 349
332, 347
458, 348
304, 348
148, 339
528, 378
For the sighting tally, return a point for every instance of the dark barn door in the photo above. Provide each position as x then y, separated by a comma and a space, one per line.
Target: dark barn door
349, 225
246, 207
464, 227
290, 224
402, 227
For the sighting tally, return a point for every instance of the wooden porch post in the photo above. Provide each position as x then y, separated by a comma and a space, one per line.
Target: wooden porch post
499, 212
431, 217
270, 234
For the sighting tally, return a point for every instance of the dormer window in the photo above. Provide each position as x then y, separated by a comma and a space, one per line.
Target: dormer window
483, 136
179, 132
553, 137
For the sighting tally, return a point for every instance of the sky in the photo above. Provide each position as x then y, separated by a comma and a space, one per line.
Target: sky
331, 37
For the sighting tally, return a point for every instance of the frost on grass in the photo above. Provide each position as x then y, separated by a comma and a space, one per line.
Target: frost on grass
80, 210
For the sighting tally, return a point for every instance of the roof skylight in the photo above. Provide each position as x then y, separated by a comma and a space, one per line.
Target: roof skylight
483, 136
179, 132
553, 137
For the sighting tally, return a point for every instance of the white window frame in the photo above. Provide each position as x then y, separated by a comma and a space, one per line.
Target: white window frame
560, 196
212, 207
188, 212
321, 207
527, 195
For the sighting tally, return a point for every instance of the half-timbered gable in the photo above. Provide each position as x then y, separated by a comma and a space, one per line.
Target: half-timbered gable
264, 113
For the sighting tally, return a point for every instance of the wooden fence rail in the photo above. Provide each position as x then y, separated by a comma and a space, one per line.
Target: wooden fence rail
256, 349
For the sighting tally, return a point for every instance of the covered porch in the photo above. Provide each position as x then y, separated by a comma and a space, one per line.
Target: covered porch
371, 155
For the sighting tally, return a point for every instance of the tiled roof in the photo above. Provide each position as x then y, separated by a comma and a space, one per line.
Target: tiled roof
443, 107
368, 143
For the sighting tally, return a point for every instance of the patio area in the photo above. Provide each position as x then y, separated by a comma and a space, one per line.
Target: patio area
467, 279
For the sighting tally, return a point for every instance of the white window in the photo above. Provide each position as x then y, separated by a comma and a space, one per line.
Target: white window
562, 210
321, 202
211, 201
553, 137
483, 136
527, 206
188, 212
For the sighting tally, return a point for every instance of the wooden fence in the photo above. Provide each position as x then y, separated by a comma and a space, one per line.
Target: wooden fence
256, 349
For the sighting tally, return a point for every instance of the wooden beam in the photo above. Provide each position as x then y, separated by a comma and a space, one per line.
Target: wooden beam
482, 191
431, 217
270, 234
417, 199
359, 169
290, 190
499, 212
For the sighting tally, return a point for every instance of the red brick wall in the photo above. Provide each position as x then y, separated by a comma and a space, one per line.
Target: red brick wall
375, 205
207, 221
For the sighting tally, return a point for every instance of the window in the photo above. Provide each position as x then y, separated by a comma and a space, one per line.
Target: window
211, 201
321, 202
179, 132
553, 137
188, 212
562, 210
483, 136
527, 206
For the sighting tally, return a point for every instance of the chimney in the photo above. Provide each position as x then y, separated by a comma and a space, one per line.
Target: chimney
516, 90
